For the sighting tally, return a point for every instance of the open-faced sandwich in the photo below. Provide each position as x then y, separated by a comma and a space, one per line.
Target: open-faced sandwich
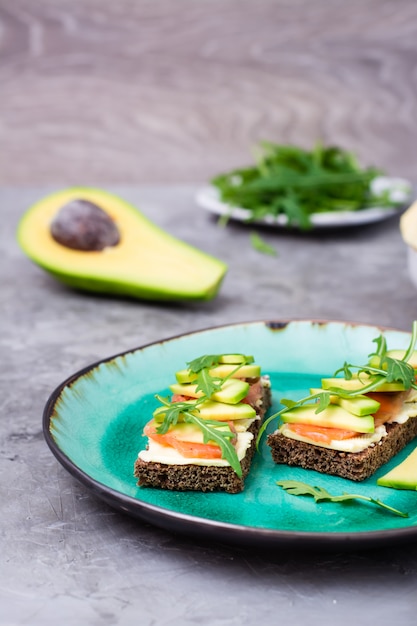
202, 438
354, 423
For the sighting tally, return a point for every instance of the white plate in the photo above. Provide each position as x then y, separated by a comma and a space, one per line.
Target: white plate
399, 188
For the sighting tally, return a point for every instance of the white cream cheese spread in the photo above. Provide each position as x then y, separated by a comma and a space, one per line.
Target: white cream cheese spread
156, 453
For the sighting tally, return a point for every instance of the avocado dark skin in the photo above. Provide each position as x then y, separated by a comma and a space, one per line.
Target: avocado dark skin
82, 225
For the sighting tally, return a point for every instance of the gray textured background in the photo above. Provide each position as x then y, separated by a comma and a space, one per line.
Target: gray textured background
141, 91
149, 99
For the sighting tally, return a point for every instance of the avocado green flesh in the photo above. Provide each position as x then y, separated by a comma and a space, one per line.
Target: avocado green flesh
231, 392
403, 476
358, 405
221, 371
215, 411
148, 262
356, 384
235, 359
333, 416
375, 361
399, 355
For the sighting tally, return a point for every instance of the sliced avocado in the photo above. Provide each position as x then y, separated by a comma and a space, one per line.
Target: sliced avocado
225, 412
333, 416
375, 361
221, 371
186, 389
236, 358
356, 383
231, 392
186, 431
211, 410
139, 259
358, 405
403, 476
399, 354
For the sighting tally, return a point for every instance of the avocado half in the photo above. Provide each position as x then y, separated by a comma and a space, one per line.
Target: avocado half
146, 263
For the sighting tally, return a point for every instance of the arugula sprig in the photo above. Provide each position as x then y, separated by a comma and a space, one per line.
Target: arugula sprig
260, 245
207, 383
322, 398
320, 494
213, 430
388, 370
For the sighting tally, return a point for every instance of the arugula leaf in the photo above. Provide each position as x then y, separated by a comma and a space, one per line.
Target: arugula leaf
288, 403
212, 430
173, 412
412, 343
323, 397
346, 369
260, 245
381, 349
323, 401
201, 366
391, 371
208, 360
320, 494
207, 383
399, 371
220, 433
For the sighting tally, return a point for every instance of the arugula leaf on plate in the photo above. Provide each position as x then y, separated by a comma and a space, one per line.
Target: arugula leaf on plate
320, 494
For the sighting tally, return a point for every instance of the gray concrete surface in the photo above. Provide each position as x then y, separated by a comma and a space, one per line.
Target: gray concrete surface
65, 557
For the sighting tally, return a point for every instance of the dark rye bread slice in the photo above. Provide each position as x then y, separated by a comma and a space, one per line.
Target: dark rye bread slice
201, 477
352, 465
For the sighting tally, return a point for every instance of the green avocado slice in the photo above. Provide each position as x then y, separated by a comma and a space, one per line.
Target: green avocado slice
403, 476
333, 416
236, 359
358, 405
357, 383
211, 410
143, 261
231, 392
221, 371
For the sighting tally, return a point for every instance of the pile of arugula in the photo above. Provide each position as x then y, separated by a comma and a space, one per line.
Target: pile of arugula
213, 430
288, 180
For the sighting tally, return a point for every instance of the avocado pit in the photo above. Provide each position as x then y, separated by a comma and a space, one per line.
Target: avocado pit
82, 225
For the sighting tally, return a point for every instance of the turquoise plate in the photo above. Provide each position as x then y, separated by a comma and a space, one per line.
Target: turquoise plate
93, 424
